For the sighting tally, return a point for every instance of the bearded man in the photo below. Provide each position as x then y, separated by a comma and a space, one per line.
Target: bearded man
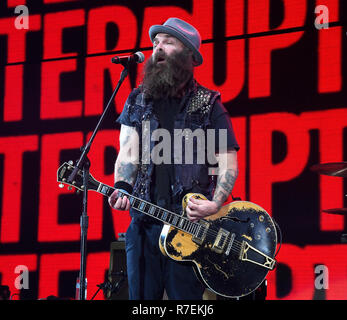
170, 98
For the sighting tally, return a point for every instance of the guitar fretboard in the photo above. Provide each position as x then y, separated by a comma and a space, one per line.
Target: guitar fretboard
156, 212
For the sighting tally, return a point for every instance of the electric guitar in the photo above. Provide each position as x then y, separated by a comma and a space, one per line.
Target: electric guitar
232, 250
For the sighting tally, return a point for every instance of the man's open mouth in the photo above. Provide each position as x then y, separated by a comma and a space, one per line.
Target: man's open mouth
161, 59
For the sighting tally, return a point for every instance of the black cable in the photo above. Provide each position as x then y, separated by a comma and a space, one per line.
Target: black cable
111, 286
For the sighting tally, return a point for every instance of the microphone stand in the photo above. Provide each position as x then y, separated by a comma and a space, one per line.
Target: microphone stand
83, 164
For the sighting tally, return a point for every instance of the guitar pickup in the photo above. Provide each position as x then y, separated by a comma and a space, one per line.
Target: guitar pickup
220, 241
201, 232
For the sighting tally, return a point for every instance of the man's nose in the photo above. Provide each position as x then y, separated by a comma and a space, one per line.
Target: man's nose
158, 47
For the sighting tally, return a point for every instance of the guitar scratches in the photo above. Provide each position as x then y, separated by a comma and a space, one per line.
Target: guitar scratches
183, 245
218, 268
247, 237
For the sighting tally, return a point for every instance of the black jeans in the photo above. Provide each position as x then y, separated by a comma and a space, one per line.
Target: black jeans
150, 272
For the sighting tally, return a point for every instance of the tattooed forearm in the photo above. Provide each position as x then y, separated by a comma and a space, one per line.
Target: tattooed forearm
126, 171
228, 171
225, 184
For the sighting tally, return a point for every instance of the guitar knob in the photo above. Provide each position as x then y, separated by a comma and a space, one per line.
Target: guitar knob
69, 188
70, 162
61, 185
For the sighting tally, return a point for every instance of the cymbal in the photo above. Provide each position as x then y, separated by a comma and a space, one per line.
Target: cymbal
337, 169
341, 211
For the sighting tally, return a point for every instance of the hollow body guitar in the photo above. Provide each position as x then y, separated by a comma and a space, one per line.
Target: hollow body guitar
232, 250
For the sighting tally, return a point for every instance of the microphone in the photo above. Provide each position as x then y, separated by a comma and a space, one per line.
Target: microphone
137, 57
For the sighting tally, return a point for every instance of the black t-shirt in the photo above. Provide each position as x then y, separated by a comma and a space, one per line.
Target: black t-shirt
164, 174
220, 119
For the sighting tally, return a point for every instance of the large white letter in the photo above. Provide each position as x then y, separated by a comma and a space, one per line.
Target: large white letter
22, 21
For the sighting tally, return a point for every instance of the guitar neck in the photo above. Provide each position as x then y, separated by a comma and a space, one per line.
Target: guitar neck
168, 217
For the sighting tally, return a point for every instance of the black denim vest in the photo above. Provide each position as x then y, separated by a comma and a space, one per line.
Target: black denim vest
195, 113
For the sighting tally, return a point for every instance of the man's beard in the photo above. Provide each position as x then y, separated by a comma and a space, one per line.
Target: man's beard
169, 78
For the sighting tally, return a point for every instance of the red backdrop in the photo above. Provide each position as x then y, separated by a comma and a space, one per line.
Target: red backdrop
282, 79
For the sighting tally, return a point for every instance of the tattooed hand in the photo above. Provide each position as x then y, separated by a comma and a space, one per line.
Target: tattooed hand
197, 209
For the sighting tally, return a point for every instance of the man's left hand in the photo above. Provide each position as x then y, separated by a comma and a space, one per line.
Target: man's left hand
197, 209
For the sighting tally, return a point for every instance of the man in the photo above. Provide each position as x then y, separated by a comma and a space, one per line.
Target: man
169, 98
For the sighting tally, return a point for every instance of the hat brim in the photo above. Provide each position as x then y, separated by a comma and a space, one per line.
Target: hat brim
154, 30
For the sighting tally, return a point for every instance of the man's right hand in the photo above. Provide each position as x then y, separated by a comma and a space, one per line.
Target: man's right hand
118, 203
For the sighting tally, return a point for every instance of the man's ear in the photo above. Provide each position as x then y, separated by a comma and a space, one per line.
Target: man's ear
191, 55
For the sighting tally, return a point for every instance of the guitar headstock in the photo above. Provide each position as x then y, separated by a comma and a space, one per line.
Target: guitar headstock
64, 172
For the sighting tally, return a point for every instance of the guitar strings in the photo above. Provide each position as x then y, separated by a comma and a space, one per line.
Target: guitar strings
236, 246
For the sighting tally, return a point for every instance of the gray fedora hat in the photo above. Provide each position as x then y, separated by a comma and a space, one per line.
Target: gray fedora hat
184, 32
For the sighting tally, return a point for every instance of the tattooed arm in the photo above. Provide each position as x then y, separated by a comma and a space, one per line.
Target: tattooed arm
228, 171
126, 165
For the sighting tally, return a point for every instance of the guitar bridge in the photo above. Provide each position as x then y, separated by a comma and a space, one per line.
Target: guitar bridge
253, 255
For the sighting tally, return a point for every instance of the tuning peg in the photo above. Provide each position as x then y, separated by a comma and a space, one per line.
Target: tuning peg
70, 162
61, 185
